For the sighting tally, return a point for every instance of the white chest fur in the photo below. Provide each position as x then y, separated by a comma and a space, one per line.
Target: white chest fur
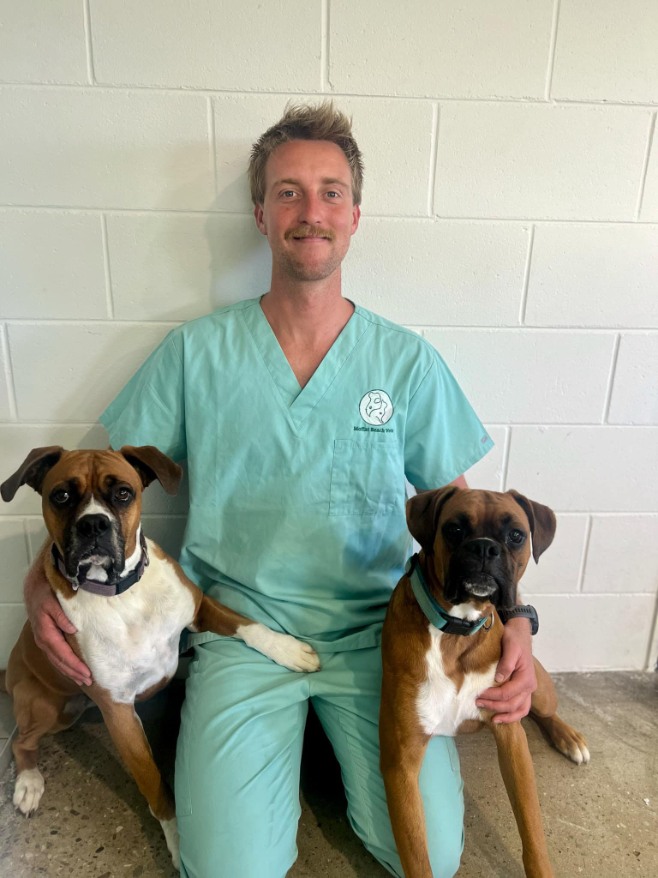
130, 641
441, 708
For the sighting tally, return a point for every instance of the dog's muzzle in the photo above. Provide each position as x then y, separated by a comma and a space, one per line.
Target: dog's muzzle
94, 541
477, 570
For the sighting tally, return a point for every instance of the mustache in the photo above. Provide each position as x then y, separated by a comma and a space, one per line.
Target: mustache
309, 232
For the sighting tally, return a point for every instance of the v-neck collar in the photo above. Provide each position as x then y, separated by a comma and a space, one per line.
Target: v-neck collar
300, 401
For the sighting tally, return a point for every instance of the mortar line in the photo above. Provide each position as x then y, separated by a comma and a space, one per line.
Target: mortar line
552, 51
645, 169
526, 276
611, 381
434, 157
88, 43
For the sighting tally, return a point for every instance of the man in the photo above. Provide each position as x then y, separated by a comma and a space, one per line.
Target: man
299, 414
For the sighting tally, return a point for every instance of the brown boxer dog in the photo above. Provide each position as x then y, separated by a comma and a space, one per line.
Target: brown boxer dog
440, 647
129, 602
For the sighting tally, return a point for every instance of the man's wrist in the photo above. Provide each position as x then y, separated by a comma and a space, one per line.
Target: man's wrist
522, 611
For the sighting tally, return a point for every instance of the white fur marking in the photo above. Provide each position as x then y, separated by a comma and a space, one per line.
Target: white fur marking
282, 648
441, 708
136, 556
467, 611
130, 641
28, 790
93, 507
170, 830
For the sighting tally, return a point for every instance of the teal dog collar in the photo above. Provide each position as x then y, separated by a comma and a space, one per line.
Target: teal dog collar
433, 611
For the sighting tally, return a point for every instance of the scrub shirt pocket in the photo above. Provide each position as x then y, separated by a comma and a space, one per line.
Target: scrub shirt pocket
366, 477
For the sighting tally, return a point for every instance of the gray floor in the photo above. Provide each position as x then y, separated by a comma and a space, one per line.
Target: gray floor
601, 819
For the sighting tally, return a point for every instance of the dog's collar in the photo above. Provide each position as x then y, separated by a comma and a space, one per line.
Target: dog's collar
433, 610
105, 589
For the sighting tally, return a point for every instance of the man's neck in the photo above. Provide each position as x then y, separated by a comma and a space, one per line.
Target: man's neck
306, 321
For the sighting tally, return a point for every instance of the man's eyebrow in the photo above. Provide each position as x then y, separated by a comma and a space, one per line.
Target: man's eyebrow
327, 181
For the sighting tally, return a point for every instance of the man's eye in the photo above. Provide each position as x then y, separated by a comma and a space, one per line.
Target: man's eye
60, 497
333, 194
516, 536
287, 193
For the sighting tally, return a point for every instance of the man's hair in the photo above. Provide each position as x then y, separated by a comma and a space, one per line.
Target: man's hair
306, 122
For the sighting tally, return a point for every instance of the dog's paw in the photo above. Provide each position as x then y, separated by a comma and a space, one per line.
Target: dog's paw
281, 648
170, 830
572, 745
295, 654
28, 791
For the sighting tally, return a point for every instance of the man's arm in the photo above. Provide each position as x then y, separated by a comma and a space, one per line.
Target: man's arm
510, 701
49, 624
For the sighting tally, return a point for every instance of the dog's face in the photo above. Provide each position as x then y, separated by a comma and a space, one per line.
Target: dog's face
91, 506
479, 541
91, 501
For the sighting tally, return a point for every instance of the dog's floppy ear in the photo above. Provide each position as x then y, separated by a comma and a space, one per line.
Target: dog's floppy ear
423, 514
542, 523
32, 471
151, 464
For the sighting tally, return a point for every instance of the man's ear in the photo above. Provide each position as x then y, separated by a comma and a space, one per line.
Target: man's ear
542, 523
260, 220
356, 216
423, 512
152, 464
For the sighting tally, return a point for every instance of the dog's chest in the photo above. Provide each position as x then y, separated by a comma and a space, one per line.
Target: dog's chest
441, 707
130, 641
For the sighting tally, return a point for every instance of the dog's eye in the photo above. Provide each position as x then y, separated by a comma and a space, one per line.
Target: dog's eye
517, 537
453, 531
123, 495
60, 497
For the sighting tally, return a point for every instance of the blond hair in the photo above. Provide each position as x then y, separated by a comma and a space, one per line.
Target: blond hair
306, 122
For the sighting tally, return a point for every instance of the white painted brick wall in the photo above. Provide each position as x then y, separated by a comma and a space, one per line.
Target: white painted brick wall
510, 215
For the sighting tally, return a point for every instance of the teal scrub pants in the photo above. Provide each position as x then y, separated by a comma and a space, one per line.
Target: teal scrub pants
239, 755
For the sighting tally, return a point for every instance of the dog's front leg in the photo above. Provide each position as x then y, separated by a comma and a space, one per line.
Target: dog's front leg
544, 712
519, 775
281, 648
126, 730
401, 760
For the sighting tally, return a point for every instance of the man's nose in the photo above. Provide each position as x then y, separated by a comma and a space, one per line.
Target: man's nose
310, 209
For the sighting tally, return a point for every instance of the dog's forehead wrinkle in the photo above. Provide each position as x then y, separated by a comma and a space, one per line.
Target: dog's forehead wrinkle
114, 470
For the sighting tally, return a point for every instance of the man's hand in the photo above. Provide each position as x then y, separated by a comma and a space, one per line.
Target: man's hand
516, 672
49, 624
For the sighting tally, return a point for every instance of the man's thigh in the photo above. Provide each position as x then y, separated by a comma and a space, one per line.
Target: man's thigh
238, 763
346, 699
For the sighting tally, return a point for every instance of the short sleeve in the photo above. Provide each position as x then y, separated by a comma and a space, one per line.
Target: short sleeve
444, 437
150, 410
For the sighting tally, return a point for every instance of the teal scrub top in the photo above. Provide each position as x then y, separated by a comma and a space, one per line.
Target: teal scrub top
297, 495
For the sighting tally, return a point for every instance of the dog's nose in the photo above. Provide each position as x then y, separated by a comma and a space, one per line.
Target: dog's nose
92, 525
484, 549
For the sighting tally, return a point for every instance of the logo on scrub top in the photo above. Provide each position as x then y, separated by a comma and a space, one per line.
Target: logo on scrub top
376, 408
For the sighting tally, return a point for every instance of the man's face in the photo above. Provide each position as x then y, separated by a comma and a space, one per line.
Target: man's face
308, 215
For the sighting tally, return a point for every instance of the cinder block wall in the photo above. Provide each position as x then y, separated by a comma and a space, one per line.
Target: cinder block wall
510, 216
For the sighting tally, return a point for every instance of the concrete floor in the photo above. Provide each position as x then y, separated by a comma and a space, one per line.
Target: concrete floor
601, 820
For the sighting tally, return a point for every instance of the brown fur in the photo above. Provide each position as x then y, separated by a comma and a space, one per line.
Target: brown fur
406, 642
44, 700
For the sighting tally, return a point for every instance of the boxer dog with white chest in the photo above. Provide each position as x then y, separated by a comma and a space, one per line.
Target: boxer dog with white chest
440, 647
128, 600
